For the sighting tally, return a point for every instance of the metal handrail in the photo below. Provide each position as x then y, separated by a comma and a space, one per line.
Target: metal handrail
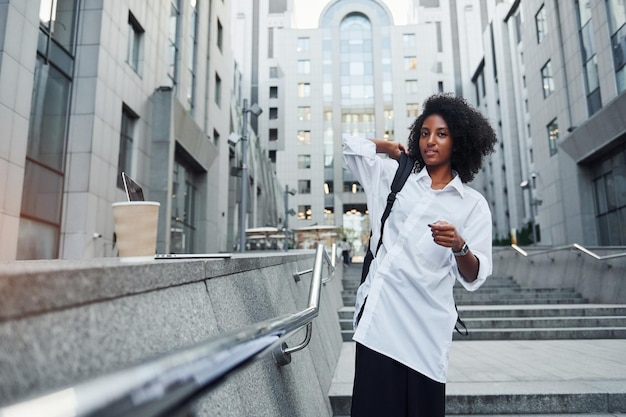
173, 381
568, 247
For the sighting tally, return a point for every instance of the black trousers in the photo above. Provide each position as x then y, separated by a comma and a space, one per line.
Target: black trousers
384, 387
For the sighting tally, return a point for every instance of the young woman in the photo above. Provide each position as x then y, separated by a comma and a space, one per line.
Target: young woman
439, 231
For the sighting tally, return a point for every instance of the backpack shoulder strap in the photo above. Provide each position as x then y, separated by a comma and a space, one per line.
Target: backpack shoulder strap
405, 167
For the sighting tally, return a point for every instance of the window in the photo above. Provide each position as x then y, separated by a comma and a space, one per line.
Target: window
304, 90
270, 42
184, 207
412, 110
617, 27
304, 113
273, 92
42, 190
135, 37
553, 136
304, 161
273, 72
273, 135
517, 22
409, 40
352, 186
218, 90
173, 42
305, 213
216, 137
191, 67
440, 86
547, 80
410, 63
220, 34
303, 45
541, 24
127, 130
589, 58
273, 113
304, 186
410, 86
609, 187
304, 66
304, 137
58, 20
439, 37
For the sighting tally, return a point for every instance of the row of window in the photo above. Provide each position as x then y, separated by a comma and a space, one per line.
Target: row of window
135, 48
617, 25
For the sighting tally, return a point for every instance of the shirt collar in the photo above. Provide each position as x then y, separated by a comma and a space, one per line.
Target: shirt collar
456, 182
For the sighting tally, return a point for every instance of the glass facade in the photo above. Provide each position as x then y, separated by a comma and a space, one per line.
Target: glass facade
553, 136
617, 27
609, 186
192, 62
589, 58
547, 80
125, 156
184, 208
44, 170
541, 24
173, 45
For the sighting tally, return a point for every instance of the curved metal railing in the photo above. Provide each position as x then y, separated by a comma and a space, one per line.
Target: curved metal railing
575, 246
174, 381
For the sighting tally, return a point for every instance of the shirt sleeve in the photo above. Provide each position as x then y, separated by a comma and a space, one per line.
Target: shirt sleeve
372, 172
359, 157
477, 235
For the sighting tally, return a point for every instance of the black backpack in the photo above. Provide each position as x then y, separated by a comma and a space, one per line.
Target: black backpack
405, 167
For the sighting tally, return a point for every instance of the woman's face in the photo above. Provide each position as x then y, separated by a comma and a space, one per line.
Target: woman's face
435, 142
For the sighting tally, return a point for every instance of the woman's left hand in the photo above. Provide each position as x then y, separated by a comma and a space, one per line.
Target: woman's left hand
445, 234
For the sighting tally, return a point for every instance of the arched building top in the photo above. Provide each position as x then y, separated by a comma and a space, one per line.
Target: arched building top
371, 9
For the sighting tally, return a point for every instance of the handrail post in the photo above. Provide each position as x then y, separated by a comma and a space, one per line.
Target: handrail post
282, 353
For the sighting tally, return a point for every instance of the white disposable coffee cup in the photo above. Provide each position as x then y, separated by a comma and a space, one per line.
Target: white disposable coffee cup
136, 225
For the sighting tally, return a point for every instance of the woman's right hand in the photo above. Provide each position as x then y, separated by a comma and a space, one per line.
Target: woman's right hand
393, 149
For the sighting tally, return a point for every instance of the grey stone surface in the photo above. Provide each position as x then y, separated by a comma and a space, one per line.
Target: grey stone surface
599, 281
520, 377
524, 377
69, 321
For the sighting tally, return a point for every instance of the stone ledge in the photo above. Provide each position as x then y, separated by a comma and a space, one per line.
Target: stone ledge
33, 287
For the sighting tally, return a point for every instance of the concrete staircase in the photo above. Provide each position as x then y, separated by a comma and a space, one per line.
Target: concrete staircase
501, 310
544, 351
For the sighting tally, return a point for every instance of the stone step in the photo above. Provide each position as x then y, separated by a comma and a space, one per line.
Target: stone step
349, 300
518, 301
514, 290
544, 322
533, 378
510, 405
491, 283
537, 310
530, 323
578, 333
513, 311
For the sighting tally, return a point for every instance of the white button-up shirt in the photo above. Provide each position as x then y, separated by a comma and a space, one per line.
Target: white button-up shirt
410, 312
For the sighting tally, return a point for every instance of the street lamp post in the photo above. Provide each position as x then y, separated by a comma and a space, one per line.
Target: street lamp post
287, 214
256, 110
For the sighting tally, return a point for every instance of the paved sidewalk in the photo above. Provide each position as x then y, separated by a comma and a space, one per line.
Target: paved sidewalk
544, 367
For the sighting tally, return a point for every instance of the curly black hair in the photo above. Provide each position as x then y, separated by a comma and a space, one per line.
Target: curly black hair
472, 136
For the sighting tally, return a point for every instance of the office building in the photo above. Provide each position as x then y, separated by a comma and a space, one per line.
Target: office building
92, 88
